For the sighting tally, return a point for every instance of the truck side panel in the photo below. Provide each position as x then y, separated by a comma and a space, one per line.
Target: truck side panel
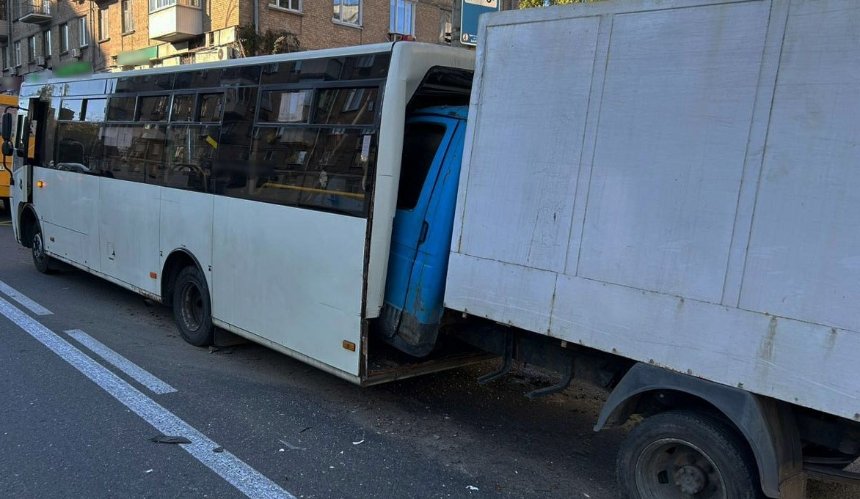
690, 139
804, 254
542, 160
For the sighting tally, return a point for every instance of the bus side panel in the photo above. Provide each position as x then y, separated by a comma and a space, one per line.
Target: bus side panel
67, 206
291, 276
129, 216
186, 222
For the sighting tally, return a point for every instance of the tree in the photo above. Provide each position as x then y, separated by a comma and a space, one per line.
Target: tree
270, 42
527, 4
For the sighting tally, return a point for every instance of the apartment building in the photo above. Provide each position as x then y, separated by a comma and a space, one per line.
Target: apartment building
111, 35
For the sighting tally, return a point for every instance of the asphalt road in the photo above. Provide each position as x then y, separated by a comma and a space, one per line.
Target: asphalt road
268, 423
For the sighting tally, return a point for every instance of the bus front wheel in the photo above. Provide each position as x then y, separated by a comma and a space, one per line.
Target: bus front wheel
192, 307
41, 260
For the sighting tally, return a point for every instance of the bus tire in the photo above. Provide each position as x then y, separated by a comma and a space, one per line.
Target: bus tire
192, 308
41, 260
686, 454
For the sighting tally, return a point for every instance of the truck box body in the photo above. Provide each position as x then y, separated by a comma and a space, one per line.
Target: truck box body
683, 188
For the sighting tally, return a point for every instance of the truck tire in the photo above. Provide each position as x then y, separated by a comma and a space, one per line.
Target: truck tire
43, 263
192, 308
683, 454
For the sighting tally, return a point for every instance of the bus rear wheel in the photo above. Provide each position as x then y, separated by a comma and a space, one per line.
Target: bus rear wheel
41, 260
192, 308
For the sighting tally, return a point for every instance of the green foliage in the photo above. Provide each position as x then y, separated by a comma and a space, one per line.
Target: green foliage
270, 42
528, 4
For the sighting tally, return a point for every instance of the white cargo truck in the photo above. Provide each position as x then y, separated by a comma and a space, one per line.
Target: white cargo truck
678, 183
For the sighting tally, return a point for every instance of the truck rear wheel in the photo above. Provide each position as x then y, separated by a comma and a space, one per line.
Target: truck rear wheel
192, 307
680, 454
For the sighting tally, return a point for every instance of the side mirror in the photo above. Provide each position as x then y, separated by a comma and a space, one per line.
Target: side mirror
6, 128
7, 149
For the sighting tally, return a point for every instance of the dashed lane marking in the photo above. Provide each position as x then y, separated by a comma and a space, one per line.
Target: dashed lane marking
229, 467
29, 304
136, 372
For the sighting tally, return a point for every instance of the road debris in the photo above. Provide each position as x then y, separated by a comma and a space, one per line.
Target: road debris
169, 439
290, 446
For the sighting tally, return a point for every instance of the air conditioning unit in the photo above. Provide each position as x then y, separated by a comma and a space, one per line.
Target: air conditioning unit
76, 53
40, 61
213, 54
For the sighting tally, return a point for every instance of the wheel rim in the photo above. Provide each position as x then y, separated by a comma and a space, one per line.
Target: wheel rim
192, 307
671, 468
38, 248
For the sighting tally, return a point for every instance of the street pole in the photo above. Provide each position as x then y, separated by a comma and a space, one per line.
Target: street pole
456, 10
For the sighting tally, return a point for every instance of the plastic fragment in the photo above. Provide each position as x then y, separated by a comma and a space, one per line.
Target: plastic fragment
169, 439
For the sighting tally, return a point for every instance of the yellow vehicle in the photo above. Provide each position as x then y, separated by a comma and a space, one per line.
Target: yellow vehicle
6, 102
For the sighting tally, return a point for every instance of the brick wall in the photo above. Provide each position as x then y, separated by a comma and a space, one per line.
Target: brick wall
313, 25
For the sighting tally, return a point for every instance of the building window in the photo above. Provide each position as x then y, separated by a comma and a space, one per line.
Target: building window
47, 43
64, 38
83, 32
295, 5
17, 54
347, 11
127, 16
31, 48
402, 17
104, 27
160, 4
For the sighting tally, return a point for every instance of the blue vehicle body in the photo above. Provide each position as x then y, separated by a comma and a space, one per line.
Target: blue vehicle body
421, 238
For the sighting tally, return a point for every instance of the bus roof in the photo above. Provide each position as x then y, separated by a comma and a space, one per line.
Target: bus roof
375, 48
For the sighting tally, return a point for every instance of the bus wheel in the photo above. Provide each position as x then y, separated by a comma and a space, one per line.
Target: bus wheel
42, 262
192, 308
680, 454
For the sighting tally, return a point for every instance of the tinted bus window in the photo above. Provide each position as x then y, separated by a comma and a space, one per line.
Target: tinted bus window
210, 107
152, 108
145, 83
131, 150
363, 67
71, 110
346, 106
207, 78
94, 110
285, 106
85, 87
238, 76
318, 168
121, 109
190, 153
239, 104
183, 108
372, 66
79, 148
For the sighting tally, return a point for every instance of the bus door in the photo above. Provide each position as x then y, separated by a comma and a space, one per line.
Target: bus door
32, 125
421, 239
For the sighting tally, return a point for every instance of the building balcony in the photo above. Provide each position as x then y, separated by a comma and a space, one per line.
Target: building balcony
34, 11
177, 20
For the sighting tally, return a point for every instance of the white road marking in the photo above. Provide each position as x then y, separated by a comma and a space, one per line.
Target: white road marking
229, 467
136, 372
23, 300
